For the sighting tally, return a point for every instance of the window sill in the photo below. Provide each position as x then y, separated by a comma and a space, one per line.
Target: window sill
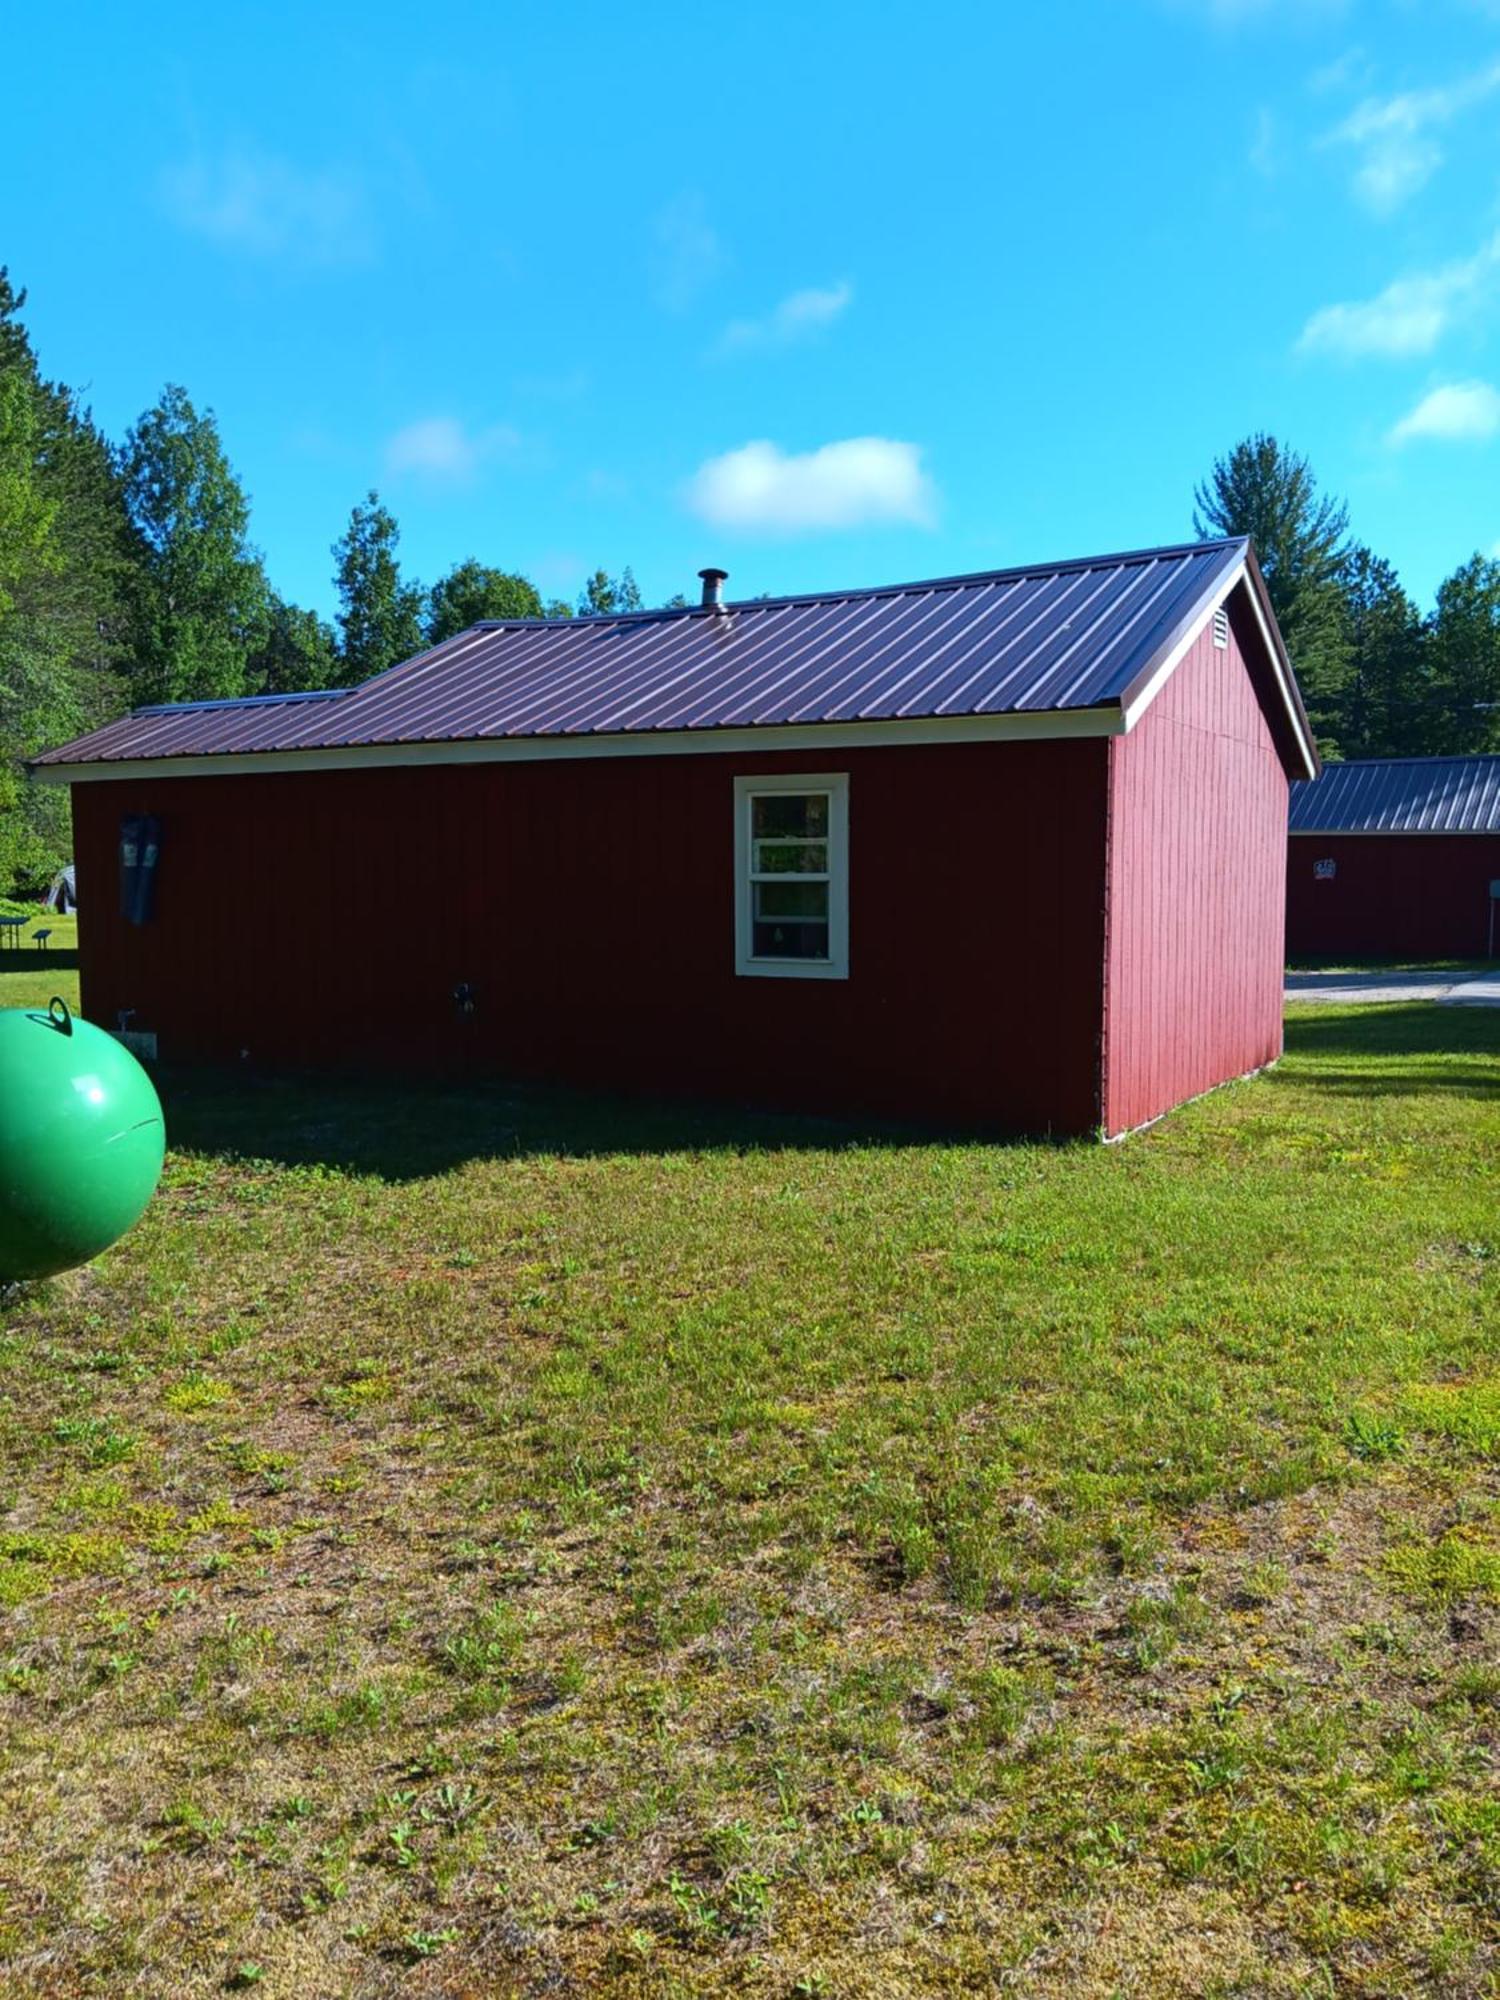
789, 968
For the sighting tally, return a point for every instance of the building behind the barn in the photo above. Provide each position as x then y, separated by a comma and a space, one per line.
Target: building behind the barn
1003, 851
1396, 858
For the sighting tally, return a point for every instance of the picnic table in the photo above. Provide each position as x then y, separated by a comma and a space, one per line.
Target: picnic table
10, 931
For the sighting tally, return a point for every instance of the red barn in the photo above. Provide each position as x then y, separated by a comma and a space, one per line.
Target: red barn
1396, 857
1004, 850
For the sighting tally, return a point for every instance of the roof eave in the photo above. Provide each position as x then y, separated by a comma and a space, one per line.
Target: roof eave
821, 738
1144, 688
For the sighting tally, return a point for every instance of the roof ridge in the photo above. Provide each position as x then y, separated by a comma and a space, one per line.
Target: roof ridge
238, 701
1416, 757
1012, 571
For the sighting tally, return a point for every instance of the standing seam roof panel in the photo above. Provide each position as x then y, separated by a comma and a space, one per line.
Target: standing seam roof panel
1029, 640
1401, 795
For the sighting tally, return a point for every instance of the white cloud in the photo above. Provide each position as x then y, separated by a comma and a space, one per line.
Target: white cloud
265, 206
798, 317
853, 483
1396, 141
687, 253
1410, 316
1350, 71
441, 450
1459, 412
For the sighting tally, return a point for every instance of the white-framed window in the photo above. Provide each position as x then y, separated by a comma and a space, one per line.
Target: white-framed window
791, 877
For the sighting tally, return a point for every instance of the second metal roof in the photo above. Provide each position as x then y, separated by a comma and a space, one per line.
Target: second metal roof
1401, 795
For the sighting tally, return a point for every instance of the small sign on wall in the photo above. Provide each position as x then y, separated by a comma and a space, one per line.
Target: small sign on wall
1324, 871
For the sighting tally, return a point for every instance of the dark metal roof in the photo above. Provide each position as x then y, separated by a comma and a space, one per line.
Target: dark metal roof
1401, 795
1058, 636
237, 701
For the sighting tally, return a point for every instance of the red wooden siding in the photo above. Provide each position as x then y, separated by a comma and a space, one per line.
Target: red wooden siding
1393, 895
1197, 838
327, 917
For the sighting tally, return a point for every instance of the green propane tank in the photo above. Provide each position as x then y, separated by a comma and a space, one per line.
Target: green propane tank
81, 1141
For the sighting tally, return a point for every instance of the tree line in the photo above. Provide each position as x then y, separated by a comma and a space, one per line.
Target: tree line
1380, 678
128, 576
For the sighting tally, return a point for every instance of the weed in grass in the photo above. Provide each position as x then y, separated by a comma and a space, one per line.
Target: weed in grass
1371, 1436
95, 1440
196, 1393
420, 1944
1462, 1563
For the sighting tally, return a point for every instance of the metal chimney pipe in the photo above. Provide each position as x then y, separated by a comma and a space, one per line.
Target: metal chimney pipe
713, 588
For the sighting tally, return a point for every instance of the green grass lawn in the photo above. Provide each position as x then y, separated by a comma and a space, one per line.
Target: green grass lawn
1474, 967
29, 978
496, 1543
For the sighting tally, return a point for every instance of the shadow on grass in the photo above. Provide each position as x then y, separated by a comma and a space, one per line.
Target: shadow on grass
404, 1130
28, 959
1411, 1049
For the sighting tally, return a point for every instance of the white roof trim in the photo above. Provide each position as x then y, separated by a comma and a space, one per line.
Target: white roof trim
823, 737
1240, 574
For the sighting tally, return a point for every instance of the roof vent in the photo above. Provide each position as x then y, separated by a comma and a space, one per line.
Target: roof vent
1221, 629
713, 588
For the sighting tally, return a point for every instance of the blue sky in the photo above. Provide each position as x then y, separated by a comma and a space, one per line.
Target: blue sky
828, 294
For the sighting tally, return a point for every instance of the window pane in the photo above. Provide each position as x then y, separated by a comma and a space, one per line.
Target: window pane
797, 815
798, 939
791, 899
791, 857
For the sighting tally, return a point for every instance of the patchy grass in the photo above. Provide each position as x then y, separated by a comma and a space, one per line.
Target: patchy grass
501, 1543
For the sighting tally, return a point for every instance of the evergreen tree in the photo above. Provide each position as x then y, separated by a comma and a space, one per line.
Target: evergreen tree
202, 601
1466, 659
1268, 492
381, 618
606, 596
1386, 703
471, 591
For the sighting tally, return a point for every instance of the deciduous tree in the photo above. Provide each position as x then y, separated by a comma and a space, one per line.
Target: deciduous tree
472, 590
381, 614
606, 596
202, 600
299, 652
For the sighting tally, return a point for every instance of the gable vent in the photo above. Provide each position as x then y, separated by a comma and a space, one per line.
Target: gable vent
1221, 629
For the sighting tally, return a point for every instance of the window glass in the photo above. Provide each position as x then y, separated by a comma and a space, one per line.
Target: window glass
790, 857
789, 940
799, 815
791, 899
